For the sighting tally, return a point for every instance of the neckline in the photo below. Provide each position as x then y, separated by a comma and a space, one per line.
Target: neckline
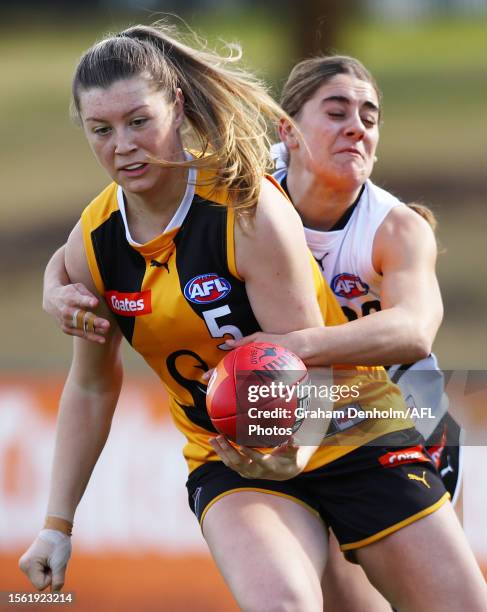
342, 221
178, 217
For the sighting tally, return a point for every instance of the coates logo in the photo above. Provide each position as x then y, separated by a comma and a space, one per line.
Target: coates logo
348, 285
406, 455
206, 288
129, 304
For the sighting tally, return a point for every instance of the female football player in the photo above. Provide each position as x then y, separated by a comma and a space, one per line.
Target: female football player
152, 245
376, 253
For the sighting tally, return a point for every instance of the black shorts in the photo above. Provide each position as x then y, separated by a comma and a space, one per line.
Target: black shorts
444, 446
363, 496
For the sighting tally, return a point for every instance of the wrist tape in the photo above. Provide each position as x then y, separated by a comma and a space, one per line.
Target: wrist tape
59, 524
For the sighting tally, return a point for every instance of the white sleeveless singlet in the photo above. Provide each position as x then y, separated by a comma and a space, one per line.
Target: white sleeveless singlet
345, 259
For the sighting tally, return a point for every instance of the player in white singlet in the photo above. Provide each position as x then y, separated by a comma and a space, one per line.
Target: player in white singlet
345, 257
376, 253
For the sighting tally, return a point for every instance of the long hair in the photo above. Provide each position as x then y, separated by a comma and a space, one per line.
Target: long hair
227, 108
424, 211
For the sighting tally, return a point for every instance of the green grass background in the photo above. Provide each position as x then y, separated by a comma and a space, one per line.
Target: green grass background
434, 80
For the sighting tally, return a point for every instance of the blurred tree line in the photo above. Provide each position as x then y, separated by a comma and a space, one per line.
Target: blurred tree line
315, 24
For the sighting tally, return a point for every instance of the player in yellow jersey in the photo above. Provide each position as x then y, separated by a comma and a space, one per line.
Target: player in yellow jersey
178, 276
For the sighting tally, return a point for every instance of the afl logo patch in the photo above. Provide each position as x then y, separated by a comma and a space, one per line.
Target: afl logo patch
206, 288
348, 285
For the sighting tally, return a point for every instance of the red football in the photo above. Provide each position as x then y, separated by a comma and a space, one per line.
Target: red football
254, 394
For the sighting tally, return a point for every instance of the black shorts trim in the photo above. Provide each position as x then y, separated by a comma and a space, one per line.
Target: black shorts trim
397, 526
362, 496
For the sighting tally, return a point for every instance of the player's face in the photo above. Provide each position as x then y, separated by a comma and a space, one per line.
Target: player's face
339, 125
129, 124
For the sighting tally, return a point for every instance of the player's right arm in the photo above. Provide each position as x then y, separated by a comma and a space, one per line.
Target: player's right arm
85, 414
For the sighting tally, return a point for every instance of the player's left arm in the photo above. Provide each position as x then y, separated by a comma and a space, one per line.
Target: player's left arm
404, 253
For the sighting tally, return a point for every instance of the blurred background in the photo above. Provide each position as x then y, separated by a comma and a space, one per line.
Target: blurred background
134, 532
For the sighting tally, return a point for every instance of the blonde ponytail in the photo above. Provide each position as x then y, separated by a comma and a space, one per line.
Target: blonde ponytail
228, 109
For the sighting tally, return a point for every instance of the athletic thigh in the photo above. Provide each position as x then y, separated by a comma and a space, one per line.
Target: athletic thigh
270, 550
346, 587
426, 565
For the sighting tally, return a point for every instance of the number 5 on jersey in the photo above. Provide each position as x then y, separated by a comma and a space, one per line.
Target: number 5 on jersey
217, 331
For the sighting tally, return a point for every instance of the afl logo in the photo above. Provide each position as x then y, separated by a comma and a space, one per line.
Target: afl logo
206, 288
348, 285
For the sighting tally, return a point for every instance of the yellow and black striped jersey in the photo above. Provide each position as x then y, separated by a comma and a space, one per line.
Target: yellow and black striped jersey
179, 295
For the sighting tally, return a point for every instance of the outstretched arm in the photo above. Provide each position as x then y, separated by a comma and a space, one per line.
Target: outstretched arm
86, 409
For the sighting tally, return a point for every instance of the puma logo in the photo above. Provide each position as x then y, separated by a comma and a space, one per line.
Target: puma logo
321, 262
420, 478
448, 468
157, 264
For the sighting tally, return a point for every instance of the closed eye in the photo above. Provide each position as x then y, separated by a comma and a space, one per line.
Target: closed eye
101, 130
369, 121
139, 121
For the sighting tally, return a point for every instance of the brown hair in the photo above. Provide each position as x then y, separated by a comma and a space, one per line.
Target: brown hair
310, 74
227, 108
424, 211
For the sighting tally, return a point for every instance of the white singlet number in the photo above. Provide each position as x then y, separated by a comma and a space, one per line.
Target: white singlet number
218, 332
